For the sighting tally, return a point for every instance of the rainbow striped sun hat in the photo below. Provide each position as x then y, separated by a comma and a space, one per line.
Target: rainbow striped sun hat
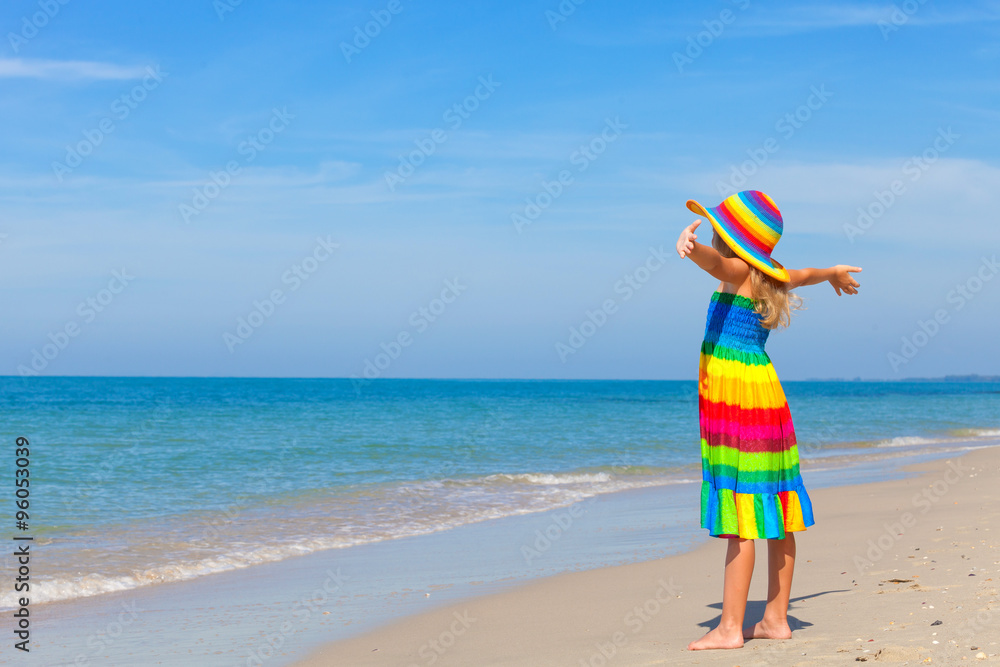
750, 224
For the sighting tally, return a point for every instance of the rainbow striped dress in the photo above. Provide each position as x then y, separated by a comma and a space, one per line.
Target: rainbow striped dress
751, 485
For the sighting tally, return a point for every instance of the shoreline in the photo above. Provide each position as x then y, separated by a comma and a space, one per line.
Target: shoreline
884, 562
869, 463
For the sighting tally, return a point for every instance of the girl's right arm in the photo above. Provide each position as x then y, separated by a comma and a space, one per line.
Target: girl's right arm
839, 276
726, 269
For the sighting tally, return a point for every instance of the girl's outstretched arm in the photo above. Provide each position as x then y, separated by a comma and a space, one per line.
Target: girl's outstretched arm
726, 269
839, 276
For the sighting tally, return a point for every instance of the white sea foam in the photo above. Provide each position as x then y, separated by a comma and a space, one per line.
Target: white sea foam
909, 441
960, 435
545, 478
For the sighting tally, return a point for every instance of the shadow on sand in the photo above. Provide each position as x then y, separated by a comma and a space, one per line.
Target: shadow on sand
755, 612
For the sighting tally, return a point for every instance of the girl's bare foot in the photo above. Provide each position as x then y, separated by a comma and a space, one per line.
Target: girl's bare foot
718, 638
768, 630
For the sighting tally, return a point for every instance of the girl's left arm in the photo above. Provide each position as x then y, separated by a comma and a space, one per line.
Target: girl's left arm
839, 276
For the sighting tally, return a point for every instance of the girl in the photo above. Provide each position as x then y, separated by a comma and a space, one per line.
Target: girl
750, 462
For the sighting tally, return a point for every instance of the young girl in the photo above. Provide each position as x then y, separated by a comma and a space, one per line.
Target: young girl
750, 462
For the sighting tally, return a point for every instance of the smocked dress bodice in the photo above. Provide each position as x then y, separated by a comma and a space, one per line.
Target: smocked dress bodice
734, 324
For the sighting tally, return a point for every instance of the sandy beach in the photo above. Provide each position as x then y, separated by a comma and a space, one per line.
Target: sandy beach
902, 571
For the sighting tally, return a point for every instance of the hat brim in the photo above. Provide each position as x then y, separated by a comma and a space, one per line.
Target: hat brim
774, 269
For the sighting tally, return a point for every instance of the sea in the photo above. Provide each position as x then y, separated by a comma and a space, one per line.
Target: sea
137, 482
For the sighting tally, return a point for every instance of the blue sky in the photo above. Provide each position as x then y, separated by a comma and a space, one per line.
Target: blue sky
227, 160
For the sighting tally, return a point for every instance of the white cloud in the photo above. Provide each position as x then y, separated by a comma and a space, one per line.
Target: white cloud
759, 20
28, 68
810, 18
818, 17
270, 178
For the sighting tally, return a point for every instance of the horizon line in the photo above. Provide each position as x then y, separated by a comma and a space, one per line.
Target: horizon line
965, 377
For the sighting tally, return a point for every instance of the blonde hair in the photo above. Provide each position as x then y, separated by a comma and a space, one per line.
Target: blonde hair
773, 301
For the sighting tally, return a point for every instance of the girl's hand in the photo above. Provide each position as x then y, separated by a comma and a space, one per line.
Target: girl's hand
842, 279
685, 243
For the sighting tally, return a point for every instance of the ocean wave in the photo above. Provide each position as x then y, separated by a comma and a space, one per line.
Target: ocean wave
955, 435
403, 510
551, 478
909, 441
977, 432
66, 588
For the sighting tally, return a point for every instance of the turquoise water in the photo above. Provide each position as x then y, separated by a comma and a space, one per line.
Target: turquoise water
138, 481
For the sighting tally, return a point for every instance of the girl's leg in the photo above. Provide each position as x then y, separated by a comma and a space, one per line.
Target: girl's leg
739, 569
781, 565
